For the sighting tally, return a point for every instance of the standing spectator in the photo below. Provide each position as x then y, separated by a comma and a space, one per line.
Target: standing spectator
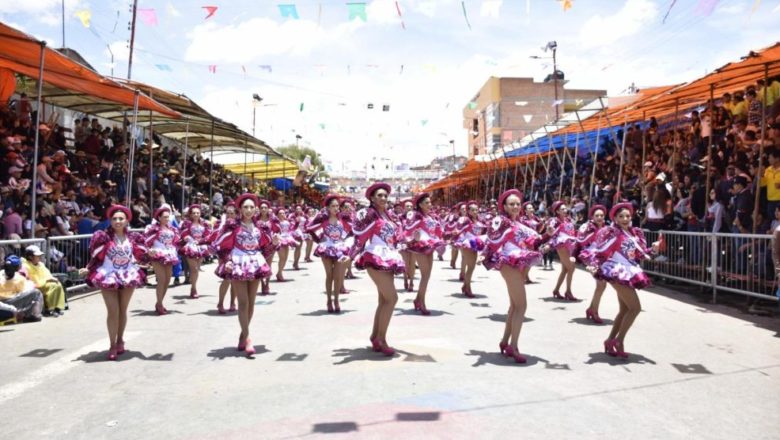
12, 223
771, 180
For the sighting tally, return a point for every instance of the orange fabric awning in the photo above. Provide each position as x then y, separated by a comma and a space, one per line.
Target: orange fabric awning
473, 170
20, 53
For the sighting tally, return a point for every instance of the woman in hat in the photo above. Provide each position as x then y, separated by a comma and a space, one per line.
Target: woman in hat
450, 226
113, 268
423, 235
469, 238
298, 220
586, 237
530, 219
162, 240
375, 250
194, 244
240, 244
332, 247
230, 215
615, 257
561, 236
284, 227
407, 209
511, 249
265, 221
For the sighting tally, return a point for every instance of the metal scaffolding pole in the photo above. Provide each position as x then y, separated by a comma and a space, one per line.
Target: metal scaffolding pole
133, 141
184, 172
38, 112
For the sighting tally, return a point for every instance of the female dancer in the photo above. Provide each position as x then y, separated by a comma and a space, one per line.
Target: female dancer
423, 235
561, 235
332, 247
194, 236
405, 216
298, 223
586, 236
230, 215
510, 248
469, 238
348, 212
113, 268
240, 244
375, 251
615, 258
265, 221
312, 212
162, 239
282, 226
530, 219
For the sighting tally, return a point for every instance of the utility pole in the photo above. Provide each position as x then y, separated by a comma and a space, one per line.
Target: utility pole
132, 41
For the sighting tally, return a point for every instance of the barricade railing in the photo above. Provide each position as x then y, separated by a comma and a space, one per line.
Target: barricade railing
16, 247
738, 263
67, 254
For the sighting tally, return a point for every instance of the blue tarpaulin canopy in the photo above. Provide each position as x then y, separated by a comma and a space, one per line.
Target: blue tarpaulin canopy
587, 142
282, 184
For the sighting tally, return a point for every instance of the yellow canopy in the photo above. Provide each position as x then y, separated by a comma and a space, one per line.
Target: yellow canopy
262, 170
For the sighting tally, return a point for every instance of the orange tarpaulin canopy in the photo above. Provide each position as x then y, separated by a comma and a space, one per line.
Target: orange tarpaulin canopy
473, 169
20, 53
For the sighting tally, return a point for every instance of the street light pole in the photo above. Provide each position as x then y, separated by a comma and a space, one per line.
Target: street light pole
555, 76
256, 99
452, 142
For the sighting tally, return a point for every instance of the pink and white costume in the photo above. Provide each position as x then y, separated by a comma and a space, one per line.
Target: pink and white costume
564, 234
430, 232
242, 247
332, 242
617, 254
285, 229
194, 240
375, 242
114, 264
586, 237
470, 234
512, 243
165, 241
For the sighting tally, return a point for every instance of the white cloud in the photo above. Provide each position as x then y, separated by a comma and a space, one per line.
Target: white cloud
603, 30
258, 37
382, 11
48, 12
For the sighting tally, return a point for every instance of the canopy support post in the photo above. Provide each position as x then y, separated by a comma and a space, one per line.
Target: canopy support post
37, 138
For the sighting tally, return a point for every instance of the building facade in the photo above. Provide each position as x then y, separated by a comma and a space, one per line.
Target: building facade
506, 109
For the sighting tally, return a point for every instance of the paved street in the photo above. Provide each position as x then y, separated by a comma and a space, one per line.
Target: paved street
703, 371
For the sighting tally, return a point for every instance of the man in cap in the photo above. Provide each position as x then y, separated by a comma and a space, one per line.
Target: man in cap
19, 293
34, 270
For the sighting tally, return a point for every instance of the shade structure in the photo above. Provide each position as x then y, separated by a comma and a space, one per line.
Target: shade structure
474, 170
275, 168
66, 80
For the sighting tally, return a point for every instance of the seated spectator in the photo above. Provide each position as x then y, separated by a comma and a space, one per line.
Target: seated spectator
19, 293
53, 292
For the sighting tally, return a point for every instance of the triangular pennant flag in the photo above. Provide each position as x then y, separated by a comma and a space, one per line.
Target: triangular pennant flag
557, 102
465, 15
402, 70
491, 8
148, 16
527, 118
567, 5
266, 67
706, 7
288, 11
521, 103
85, 17
300, 108
211, 10
213, 68
243, 69
322, 126
164, 67
578, 101
424, 122
357, 10
472, 105
172, 11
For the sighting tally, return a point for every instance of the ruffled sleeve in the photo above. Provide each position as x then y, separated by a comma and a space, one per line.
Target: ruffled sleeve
366, 223
185, 230
316, 222
98, 246
225, 239
140, 250
606, 243
150, 234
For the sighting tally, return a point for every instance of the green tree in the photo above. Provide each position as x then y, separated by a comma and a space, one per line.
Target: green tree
299, 153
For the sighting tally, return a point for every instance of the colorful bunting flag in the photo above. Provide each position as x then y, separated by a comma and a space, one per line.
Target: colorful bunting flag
465, 15
668, 11
164, 67
566, 5
527, 118
300, 108
357, 10
213, 68
322, 126
148, 16
398, 8
491, 8
706, 7
211, 10
424, 122
521, 103
472, 105
288, 11
557, 102
266, 67
85, 16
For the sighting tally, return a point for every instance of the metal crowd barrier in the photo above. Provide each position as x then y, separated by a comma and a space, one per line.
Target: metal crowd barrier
66, 255
737, 263
16, 247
